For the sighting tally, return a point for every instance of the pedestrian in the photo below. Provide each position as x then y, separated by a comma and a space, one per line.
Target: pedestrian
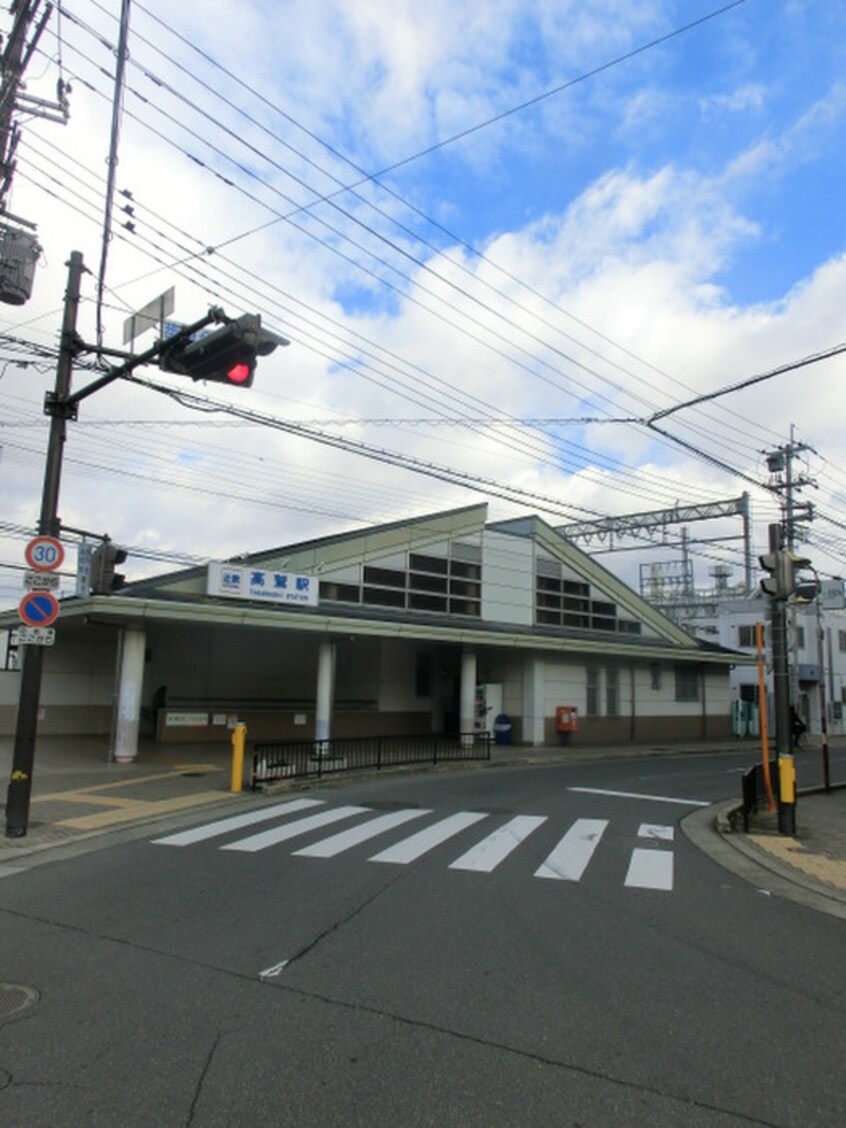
797, 728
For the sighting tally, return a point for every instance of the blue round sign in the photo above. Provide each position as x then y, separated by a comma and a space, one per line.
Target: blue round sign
39, 609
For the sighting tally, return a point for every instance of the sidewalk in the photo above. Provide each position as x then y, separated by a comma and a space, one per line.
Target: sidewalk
77, 795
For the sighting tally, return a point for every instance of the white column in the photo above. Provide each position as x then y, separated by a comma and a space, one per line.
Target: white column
325, 691
534, 686
467, 708
131, 680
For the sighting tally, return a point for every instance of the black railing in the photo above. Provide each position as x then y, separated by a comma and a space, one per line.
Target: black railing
275, 760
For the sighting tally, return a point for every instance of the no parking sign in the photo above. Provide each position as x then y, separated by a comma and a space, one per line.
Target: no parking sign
39, 609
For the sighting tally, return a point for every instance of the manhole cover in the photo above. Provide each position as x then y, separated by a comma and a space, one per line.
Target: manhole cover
14, 998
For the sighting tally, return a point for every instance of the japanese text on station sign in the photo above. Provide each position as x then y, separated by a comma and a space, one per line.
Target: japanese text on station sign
244, 582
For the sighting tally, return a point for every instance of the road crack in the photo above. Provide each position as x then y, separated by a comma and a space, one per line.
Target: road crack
201, 1080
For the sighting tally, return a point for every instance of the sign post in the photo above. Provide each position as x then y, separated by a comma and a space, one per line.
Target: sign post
44, 553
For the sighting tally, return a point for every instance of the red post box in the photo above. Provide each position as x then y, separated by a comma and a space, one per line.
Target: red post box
566, 718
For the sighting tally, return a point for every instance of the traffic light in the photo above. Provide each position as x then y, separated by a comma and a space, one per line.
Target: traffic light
104, 578
228, 355
772, 585
801, 588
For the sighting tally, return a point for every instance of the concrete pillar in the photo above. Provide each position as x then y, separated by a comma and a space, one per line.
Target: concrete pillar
325, 691
534, 686
467, 708
130, 683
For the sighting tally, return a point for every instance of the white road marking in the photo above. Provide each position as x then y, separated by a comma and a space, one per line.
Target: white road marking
272, 972
650, 869
488, 853
236, 822
650, 830
639, 795
418, 844
346, 839
569, 860
290, 830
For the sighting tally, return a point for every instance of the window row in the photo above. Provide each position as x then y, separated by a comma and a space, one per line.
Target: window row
449, 587
567, 603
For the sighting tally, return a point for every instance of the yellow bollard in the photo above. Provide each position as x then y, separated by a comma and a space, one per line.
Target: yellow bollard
787, 779
239, 736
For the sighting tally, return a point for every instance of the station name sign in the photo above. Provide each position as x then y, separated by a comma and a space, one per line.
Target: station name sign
240, 581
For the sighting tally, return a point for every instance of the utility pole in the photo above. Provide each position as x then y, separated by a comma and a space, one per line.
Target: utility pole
786, 483
19, 247
13, 63
20, 782
778, 587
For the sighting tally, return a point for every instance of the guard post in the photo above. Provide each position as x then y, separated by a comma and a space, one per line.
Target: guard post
787, 795
239, 737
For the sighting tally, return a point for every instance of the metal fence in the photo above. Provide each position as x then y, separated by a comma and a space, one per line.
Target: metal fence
275, 760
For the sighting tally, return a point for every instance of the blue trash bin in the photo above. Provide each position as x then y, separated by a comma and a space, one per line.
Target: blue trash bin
502, 729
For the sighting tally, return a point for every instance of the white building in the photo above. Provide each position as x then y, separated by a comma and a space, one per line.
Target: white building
816, 645
437, 624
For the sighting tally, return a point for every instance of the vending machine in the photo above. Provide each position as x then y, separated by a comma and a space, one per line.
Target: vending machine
488, 706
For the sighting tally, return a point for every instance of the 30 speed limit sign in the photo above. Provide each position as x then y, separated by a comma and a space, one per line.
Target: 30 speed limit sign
45, 554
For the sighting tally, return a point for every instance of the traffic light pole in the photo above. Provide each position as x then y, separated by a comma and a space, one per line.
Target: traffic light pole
251, 341
781, 695
20, 782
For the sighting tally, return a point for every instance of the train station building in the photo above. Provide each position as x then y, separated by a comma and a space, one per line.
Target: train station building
439, 624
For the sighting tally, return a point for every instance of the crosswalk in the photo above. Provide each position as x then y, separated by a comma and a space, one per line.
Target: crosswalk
650, 862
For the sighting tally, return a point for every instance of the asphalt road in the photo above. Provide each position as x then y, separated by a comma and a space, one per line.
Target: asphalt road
504, 947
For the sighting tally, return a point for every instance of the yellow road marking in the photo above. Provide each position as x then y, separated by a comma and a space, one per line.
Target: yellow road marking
142, 810
83, 797
54, 796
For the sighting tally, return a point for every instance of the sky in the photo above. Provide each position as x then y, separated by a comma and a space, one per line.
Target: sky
508, 242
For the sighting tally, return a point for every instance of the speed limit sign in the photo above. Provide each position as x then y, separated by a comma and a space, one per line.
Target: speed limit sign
45, 554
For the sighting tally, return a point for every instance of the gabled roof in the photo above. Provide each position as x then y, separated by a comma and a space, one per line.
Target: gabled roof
326, 553
555, 545
461, 534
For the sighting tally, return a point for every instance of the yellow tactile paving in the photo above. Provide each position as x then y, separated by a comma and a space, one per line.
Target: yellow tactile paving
85, 798
140, 809
832, 871
127, 782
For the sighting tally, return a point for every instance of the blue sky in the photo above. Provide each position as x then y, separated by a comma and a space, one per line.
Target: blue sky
656, 231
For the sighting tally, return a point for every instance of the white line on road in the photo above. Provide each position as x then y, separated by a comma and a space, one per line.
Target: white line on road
346, 839
569, 860
418, 844
485, 856
650, 869
638, 795
290, 830
650, 830
236, 822
272, 972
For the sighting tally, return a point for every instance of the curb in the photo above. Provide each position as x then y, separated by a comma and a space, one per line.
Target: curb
711, 832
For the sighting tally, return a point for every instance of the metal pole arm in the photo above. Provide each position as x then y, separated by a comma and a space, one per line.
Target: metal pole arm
68, 405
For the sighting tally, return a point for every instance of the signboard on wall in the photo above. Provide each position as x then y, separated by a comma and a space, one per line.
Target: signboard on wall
240, 581
832, 595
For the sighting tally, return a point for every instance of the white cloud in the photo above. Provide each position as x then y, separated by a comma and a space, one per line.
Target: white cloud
750, 96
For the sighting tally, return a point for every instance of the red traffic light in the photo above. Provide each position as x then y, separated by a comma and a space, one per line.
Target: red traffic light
240, 373
228, 355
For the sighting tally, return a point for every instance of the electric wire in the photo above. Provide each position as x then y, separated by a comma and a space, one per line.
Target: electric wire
414, 258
